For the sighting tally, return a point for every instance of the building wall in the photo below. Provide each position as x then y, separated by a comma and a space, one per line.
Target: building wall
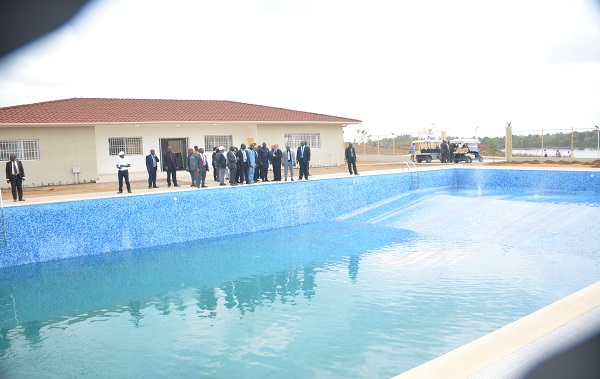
61, 149
331, 152
152, 134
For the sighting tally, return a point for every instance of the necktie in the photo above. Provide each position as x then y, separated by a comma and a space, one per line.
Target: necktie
15, 167
302, 152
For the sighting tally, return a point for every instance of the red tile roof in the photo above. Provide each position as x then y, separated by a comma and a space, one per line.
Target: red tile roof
87, 110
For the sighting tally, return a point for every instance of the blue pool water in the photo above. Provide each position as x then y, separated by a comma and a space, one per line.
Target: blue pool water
375, 290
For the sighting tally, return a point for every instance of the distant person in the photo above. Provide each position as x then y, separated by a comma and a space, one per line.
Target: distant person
15, 175
257, 168
350, 156
203, 167
545, 153
232, 164
412, 152
263, 162
123, 165
558, 154
244, 167
152, 167
275, 156
170, 165
444, 151
289, 161
252, 161
214, 164
221, 164
569, 153
193, 167
303, 157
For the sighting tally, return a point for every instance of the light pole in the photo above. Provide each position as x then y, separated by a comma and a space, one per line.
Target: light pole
598, 130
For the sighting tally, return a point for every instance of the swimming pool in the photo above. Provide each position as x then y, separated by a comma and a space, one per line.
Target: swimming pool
378, 287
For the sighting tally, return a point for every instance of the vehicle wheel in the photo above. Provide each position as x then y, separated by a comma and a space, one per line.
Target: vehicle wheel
428, 159
469, 160
419, 160
480, 158
456, 161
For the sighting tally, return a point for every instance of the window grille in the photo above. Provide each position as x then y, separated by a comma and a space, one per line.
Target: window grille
312, 140
211, 142
25, 150
130, 145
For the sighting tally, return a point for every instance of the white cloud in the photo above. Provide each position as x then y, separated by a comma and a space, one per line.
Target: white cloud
397, 65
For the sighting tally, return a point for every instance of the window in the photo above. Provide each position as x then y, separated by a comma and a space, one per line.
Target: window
25, 150
215, 141
130, 145
312, 140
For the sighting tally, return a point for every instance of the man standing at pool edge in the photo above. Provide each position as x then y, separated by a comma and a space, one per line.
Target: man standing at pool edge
303, 157
351, 159
123, 166
169, 162
152, 166
15, 175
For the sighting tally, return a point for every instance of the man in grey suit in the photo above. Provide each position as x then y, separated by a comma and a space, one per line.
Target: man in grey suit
232, 164
289, 161
194, 167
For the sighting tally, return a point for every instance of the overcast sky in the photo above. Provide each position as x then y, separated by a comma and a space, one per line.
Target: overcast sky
397, 65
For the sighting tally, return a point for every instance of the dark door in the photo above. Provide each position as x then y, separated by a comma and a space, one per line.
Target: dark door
179, 146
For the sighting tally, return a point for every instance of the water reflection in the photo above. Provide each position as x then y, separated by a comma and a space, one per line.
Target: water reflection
164, 278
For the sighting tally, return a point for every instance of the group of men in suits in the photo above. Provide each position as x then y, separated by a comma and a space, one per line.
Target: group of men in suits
249, 164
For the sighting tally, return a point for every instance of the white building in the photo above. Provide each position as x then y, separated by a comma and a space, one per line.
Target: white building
56, 138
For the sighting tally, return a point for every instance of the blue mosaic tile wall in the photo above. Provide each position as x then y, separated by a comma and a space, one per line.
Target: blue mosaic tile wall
587, 182
44, 232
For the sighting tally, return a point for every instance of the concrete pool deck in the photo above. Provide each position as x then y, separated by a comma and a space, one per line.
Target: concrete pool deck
484, 357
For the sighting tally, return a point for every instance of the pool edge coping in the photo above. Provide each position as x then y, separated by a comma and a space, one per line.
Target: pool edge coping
476, 355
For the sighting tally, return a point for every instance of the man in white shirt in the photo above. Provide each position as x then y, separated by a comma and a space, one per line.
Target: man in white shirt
123, 167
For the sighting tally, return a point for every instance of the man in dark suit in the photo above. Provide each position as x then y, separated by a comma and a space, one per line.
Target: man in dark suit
275, 156
263, 162
15, 175
152, 166
303, 157
242, 155
351, 158
170, 164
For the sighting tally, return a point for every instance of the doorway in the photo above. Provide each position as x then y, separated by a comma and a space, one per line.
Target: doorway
179, 146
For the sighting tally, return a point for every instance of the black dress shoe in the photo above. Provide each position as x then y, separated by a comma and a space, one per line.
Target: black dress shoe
155, 187
120, 192
128, 191
176, 185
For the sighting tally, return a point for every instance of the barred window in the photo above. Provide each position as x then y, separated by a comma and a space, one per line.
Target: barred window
215, 141
130, 145
25, 150
312, 140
